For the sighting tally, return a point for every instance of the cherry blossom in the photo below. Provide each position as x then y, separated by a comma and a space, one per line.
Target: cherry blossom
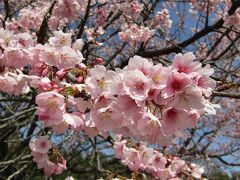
47, 157
106, 69
50, 108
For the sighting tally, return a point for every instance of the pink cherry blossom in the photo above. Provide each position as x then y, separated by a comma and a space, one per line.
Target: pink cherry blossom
183, 63
51, 162
74, 119
50, 56
134, 33
96, 82
68, 58
60, 127
15, 84
173, 120
50, 107
175, 83
5, 37
39, 158
141, 64
41, 145
114, 82
190, 98
104, 72
128, 106
60, 39
132, 159
81, 104
104, 115
120, 148
204, 82
162, 19
67, 9
137, 85
159, 161
15, 57
196, 171
21, 40
159, 75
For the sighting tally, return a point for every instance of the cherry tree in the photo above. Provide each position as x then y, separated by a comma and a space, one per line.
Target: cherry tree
118, 89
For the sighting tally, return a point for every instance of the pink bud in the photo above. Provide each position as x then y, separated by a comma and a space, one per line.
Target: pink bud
79, 79
61, 73
81, 66
45, 71
98, 61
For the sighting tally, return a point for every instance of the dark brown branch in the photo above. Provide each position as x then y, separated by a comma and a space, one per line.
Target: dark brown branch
18, 172
9, 99
25, 5
213, 60
41, 34
224, 161
187, 142
7, 13
178, 48
207, 15
228, 95
83, 22
115, 54
219, 40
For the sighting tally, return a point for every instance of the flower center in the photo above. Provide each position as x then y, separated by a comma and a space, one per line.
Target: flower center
43, 144
156, 78
172, 114
52, 104
105, 115
139, 86
101, 83
152, 124
182, 69
51, 56
176, 85
157, 159
62, 40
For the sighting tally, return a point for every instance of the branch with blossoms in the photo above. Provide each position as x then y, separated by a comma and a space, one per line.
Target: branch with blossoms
92, 89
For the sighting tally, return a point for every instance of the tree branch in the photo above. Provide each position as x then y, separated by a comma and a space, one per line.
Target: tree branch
83, 22
41, 34
224, 161
228, 95
178, 48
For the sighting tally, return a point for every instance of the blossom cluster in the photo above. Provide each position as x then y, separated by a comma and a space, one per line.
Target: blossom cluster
46, 156
130, 9
68, 9
20, 51
150, 102
64, 11
138, 157
27, 20
162, 19
79, 95
233, 20
197, 6
134, 33
13, 83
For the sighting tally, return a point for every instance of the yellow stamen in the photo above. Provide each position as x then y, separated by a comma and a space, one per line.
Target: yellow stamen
52, 104
101, 83
62, 40
152, 124
156, 78
105, 115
